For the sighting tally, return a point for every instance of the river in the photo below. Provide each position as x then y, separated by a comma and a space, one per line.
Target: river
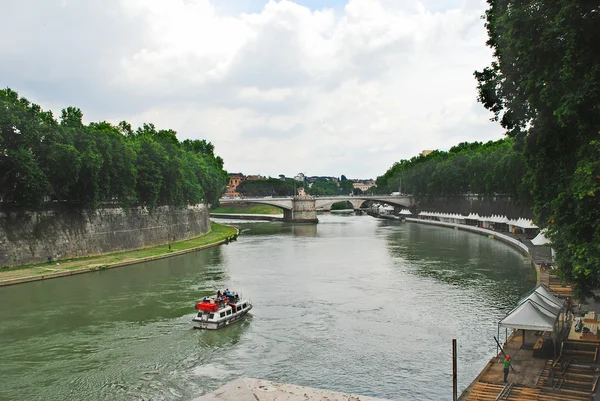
353, 304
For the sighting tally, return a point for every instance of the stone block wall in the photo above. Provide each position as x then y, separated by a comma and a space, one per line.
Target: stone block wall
500, 205
31, 237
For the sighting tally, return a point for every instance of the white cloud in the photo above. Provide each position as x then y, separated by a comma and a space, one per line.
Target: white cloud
326, 92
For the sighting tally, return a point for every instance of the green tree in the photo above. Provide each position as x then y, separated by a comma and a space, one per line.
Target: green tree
150, 157
324, 188
544, 89
346, 187
86, 165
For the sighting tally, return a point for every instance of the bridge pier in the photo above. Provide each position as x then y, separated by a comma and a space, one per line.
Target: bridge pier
303, 210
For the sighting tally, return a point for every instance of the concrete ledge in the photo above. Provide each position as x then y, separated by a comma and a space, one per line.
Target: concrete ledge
241, 216
483, 231
47, 276
247, 389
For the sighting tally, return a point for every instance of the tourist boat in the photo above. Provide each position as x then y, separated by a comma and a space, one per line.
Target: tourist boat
221, 311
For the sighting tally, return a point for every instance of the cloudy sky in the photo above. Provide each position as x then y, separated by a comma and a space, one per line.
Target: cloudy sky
323, 87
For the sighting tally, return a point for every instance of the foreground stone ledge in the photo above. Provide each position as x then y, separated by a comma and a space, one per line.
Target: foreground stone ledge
247, 389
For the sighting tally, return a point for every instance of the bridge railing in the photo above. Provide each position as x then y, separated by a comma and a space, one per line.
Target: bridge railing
316, 196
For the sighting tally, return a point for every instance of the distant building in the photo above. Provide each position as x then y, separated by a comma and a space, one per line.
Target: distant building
234, 180
426, 152
363, 185
300, 177
255, 177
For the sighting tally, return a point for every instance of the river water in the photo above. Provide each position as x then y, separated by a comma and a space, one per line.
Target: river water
353, 304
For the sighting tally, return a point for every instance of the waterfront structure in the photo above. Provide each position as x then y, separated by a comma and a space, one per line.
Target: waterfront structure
303, 209
520, 226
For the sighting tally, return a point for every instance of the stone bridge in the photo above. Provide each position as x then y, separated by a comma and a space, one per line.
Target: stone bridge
304, 208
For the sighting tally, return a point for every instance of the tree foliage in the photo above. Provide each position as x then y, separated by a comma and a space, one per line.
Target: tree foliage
84, 166
544, 89
268, 187
484, 169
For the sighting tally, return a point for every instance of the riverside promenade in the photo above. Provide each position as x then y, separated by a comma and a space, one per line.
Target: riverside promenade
248, 216
572, 376
219, 235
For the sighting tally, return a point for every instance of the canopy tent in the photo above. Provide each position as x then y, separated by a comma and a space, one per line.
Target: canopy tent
540, 239
538, 311
542, 289
530, 315
522, 223
544, 302
405, 211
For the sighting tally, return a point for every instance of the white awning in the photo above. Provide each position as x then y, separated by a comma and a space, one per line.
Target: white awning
530, 315
500, 219
543, 290
523, 223
540, 239
405, 211
543, 301
537, 311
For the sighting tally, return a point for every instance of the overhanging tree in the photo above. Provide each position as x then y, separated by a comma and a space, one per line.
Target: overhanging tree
544, 89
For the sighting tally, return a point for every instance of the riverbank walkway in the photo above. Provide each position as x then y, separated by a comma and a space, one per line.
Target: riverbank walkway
248, 216
575, 373
218, 235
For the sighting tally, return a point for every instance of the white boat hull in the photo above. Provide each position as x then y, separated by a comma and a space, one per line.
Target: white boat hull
203, 324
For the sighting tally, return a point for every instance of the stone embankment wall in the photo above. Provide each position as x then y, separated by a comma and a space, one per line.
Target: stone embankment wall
499, 205
31, 237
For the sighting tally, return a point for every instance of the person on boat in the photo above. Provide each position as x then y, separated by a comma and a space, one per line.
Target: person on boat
507, 361
218, 293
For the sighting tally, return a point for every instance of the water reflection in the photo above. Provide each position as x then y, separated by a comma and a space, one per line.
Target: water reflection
439, 253
304, 230
225, 338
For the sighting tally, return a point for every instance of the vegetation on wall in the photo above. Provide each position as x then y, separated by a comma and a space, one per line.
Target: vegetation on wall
544, 89
84, 166
268, 187
289, 187
478, 168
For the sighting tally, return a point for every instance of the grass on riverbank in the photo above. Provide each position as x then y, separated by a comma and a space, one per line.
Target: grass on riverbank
218, 233
249, 209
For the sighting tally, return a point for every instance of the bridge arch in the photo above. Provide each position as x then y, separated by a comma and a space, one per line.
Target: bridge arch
304, 208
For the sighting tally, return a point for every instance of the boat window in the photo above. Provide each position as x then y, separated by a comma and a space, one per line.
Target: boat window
211, 316
222, 314
229, 312
244, 306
